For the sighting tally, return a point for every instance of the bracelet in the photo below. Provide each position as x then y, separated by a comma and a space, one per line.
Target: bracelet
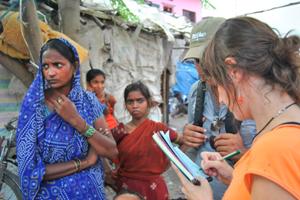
89, 132
177, 140
77, 164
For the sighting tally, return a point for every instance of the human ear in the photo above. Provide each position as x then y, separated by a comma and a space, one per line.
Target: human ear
89, 88
230, 61
234, 72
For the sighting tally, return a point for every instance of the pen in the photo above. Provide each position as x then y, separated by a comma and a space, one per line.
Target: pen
230, 155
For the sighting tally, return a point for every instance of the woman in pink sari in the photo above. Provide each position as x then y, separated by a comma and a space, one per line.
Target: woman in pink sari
141, 162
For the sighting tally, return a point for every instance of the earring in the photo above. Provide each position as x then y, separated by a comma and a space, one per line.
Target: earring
240, 100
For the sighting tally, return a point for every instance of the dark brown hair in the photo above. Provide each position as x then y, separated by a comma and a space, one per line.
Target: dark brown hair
142, 88
93, 73
258, 50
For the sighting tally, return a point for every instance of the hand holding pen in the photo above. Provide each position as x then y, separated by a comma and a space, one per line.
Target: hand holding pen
215, 165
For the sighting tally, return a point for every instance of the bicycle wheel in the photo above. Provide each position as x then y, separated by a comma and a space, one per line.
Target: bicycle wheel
10, 189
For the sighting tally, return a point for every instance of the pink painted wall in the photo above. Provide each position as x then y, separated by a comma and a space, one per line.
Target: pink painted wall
179, 5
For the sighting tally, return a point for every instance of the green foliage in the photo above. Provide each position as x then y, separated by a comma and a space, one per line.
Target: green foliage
124, 12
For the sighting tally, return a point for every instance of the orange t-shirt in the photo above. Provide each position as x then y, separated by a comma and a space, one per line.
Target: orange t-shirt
274, 156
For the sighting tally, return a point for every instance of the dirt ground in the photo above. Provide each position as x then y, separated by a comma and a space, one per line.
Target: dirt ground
170, 176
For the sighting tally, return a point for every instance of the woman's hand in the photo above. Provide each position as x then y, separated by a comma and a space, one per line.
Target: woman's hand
91, 157
193, 192
66, 109
213, 165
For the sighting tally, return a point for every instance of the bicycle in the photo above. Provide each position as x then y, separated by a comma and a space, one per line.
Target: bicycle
10, 188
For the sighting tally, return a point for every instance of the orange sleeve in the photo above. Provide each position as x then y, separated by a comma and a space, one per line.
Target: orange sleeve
277, 158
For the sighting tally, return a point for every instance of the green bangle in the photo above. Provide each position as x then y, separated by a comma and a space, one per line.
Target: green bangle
89, 132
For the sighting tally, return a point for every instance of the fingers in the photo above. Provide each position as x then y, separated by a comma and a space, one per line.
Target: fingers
209, 156
104, 131
59, 100
193, 128
194, 142
193, 135
210, 162
181, 177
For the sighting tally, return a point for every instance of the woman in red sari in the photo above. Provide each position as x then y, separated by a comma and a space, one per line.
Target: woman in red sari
141, 162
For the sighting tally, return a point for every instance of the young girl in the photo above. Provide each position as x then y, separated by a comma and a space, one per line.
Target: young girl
141, 162
96, 83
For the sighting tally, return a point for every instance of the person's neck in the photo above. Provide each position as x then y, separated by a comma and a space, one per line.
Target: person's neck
267, 107
62, 90
137, 122
100, 95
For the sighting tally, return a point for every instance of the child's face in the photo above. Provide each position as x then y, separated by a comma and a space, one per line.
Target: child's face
137, 105
97, 84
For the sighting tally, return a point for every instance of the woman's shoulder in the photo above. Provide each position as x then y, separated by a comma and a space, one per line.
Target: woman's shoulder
92, 101
110, 98
275, 156
90, 97
282, 140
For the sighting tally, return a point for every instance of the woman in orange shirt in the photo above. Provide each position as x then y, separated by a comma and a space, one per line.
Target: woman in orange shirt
257, 76
96, 83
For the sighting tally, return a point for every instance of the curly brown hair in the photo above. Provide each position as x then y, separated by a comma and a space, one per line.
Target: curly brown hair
257, 50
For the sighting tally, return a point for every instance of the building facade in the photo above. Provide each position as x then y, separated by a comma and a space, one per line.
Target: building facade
189, 8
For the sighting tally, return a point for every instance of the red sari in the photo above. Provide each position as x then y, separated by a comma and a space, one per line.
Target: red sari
141, 162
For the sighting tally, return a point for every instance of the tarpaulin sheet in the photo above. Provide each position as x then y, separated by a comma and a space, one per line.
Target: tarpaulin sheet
12, 42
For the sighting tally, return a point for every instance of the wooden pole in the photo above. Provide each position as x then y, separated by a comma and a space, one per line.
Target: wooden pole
69, 12
165, 95
31, 30
17, 69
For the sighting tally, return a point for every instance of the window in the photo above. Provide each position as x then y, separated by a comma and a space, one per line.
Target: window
150, 3
189, 14
168, 9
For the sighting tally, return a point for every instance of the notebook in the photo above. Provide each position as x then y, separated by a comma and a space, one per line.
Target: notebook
187, 167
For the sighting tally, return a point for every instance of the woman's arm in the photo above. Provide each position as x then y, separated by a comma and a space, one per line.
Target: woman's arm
58, 170
103, 145
103, 141
260, 185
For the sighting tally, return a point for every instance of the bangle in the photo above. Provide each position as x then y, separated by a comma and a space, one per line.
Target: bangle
77, 164
89, 132
177, 141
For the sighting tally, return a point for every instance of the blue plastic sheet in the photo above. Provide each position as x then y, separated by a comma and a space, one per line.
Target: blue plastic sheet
186, 75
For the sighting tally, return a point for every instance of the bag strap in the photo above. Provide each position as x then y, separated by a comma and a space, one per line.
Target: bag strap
199, 105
